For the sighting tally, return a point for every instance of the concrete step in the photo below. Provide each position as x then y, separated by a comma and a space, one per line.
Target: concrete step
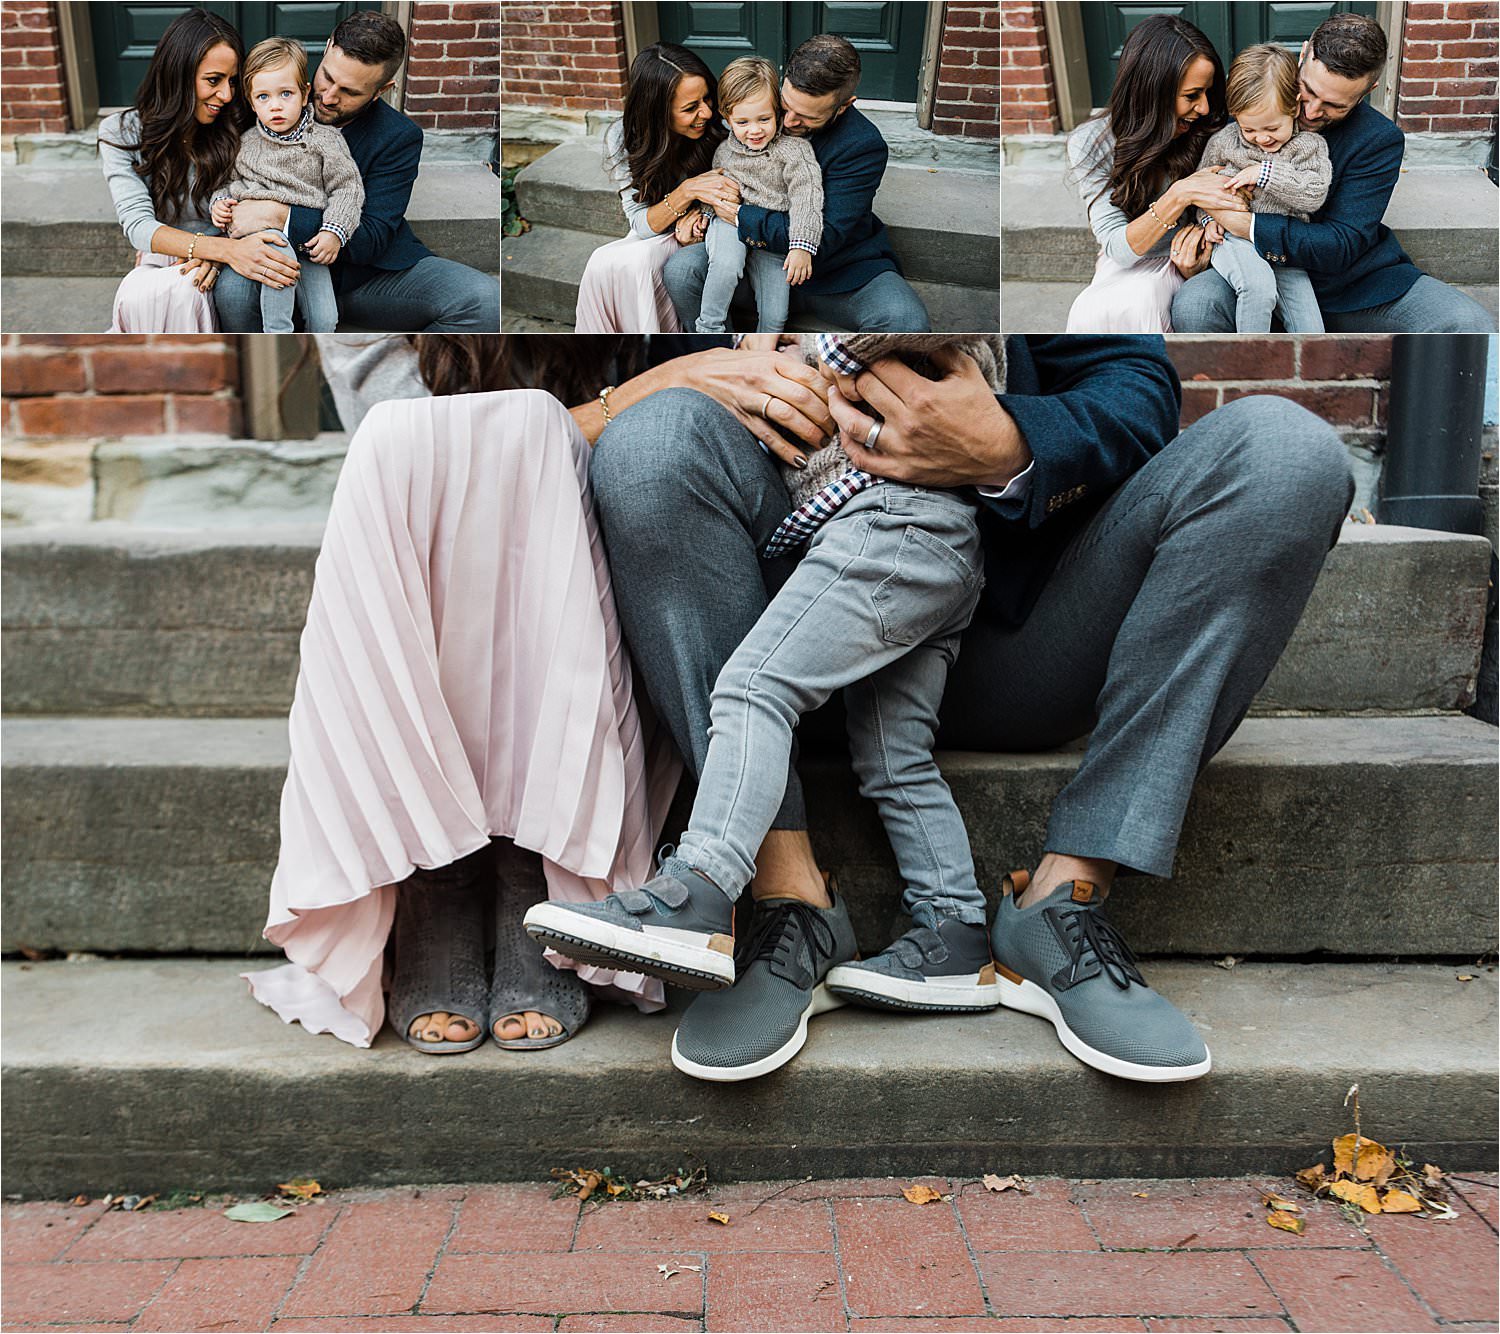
59, 222
541, 271
1341, 836
112, 619
1042, 307
1445, 219
166, 1075
944, 224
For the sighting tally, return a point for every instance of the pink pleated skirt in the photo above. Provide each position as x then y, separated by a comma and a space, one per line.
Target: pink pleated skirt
622, 291
155, 297
1135, 298
463, 676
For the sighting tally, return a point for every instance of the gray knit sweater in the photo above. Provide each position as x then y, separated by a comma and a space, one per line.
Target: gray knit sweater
784, 176
1300, 170
310, 166
830, 462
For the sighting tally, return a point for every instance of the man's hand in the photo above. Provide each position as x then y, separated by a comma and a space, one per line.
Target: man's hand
727, 212
222, 213
258, 215
948, 432
798, 266
1236, 224
323, 248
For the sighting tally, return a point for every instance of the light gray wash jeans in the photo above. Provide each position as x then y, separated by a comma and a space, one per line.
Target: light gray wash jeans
728, 258
1259, 288
875, 608
313, 291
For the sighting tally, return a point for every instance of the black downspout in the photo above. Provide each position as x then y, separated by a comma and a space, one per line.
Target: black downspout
1431, 477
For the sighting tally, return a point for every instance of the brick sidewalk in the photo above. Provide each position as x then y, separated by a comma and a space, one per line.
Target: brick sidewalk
831, 1255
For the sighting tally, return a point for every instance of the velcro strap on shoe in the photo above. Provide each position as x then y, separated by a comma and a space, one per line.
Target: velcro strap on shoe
635, 901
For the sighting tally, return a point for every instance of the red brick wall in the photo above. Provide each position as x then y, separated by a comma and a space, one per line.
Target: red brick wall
1448, 67
968, 80
568, 57
31, 78
1030, 96
62, 387
1346, 381
453, 66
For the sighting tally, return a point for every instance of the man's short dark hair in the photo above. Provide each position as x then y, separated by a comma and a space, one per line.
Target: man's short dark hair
824, 64
1351, 45
372, 38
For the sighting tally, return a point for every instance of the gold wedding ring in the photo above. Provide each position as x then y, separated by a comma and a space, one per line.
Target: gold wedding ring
765, 408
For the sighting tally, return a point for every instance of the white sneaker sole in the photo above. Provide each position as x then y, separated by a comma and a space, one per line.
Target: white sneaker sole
976, 991
692, 959
1032, 999
821, 1001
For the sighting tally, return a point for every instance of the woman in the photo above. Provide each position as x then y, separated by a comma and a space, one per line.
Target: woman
659, 156
1136, 168
163, 159
463, 700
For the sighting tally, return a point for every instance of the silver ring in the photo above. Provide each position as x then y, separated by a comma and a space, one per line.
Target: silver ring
873, 436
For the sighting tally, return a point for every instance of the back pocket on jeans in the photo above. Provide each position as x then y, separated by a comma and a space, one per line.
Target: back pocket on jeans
931, 584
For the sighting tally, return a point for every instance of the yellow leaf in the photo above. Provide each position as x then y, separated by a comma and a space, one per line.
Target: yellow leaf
616, 1187
921, 1194
1312, 1177
1399, 1202
1466, 977
1277, 1202
1286, 1222
1141, 1194
300, 1188
719, 1218
1364, 1196
1371, 1157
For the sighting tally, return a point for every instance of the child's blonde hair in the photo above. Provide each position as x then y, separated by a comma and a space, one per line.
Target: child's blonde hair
746, 77
273, 53
1260, 73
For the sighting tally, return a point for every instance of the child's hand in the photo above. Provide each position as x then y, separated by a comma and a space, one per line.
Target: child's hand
323, 248
798, 267
1212, 232
1246, 178
222, 213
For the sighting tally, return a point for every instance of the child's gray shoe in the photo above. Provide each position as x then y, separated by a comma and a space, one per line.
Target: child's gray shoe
761, 1023
1063, 959
678, 926
946, 966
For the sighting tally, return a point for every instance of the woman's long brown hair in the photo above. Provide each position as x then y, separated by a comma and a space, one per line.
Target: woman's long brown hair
659, 158
1149, 154
181, 160
571, 367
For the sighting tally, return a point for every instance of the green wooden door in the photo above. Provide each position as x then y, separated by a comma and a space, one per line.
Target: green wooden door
888, 37
126, 34
1230, 27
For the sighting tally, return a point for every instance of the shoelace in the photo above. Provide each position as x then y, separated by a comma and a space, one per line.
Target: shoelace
1089, 932
776, 934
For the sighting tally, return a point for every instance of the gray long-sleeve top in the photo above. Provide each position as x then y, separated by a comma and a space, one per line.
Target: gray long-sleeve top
617, 163
1091, 151
1298, 177
131, 194
782, 176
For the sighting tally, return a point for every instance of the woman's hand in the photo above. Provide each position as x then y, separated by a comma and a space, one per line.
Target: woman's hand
1208, 190
690, 227
710, 188
777, 397
948, 432
202, 273
1192, 251
263, 258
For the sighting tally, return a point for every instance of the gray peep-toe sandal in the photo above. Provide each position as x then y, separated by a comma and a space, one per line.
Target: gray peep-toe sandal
522, 979
439, 951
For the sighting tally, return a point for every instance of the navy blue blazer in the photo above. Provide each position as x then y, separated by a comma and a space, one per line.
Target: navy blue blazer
387, 148
1093, 409
855, 247
1353, 259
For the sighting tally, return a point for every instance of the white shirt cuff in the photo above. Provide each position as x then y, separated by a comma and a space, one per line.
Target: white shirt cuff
1018, 488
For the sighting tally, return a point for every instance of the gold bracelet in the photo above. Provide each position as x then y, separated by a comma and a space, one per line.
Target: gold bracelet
192, 246
1166, 226
604, 402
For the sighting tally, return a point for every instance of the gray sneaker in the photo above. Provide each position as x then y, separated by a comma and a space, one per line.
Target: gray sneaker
678, 926
1064, 960
941, 967
761, 1023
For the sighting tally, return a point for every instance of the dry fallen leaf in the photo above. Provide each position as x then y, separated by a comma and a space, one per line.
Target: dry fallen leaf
1364, 1196
921, 1194
1432, 1176
300, 1188
1229, 961
1141, 1194
1012, 1182
1313, 1177
1286, 1222
1277, 1202
719, 1218
1372, 1157
1399, 1202
1462, 977
78, 1201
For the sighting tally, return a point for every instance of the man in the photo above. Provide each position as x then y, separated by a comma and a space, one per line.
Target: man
1364, 281
1141, 584
384, 278
856, 280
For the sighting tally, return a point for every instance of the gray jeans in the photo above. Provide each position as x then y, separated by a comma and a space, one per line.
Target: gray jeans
728, 259
1205, 304
313, 292
875, 608
1259, 288
1164, 617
